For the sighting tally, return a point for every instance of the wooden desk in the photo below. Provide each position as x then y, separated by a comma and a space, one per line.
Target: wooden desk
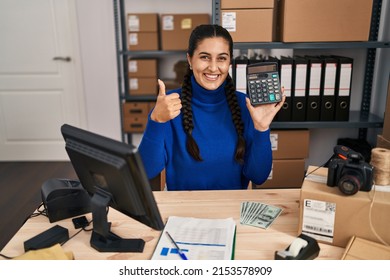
251, 243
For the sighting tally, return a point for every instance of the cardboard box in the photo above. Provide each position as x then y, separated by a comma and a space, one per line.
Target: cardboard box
331, 217
142, 68
176, 29
386, 121
143, 41
382, 142
290, 144
180, 69
285, 173
325, 20
361, 249
135, 109
247, 4
134, 124
250, 25
143, 86
171, 84
138, 22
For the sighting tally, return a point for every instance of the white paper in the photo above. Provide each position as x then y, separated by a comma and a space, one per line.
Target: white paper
199, 239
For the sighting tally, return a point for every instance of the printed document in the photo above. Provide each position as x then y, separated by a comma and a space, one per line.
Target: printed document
198, 239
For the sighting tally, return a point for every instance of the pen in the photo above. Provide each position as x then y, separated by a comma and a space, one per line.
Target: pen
181, 254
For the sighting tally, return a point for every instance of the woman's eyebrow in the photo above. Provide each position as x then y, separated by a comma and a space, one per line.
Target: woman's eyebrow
209, 53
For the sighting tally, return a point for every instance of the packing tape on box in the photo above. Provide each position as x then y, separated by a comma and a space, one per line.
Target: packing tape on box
380, 160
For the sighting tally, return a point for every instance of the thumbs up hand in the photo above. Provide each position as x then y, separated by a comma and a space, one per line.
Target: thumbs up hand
167, 106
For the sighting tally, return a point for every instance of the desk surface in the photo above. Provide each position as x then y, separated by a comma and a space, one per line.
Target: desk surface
251, 243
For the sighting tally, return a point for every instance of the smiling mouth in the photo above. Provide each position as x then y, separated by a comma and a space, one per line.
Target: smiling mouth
212, 77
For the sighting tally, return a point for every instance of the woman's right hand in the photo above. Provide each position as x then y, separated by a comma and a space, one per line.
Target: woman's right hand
167, 106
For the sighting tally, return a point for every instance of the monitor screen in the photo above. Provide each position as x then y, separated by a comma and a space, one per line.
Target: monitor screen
113, 174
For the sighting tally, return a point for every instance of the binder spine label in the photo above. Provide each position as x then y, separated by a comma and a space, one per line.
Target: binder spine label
286, 78
330, 79
315, 79
300, 80
345, 79
241, 77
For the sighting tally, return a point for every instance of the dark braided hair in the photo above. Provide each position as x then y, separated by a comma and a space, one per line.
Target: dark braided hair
200, 33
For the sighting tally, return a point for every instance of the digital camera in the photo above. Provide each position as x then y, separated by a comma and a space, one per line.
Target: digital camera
351, 175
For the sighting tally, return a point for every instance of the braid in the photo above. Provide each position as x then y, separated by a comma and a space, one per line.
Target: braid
236, 115
188, 124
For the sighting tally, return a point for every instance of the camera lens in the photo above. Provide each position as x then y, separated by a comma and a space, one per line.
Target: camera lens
349, 184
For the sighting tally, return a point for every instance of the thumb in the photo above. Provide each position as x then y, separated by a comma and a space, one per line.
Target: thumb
161, 87
249, 105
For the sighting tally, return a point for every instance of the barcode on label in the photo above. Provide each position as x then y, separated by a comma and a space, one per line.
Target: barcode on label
318, 229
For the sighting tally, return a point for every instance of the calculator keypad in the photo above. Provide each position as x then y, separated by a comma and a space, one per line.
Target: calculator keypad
264, 88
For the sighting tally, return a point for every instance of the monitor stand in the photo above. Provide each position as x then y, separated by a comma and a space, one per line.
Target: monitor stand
102, 239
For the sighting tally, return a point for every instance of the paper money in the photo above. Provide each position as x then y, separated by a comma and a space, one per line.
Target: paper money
258, 214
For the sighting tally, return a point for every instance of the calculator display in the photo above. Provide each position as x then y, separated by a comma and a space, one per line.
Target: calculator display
263, 84
262, 68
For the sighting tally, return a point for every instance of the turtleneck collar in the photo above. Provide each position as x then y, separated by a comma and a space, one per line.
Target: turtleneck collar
205, 95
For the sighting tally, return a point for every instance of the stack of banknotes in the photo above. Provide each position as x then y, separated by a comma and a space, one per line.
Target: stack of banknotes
258, 214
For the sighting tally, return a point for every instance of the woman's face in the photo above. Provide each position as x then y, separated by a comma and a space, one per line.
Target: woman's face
210, 62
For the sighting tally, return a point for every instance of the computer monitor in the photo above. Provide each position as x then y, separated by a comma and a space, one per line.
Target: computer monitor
113, 174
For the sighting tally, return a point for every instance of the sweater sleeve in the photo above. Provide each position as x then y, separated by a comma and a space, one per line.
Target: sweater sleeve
152, 147
258, 161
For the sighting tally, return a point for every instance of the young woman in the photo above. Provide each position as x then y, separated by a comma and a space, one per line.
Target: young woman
207, 135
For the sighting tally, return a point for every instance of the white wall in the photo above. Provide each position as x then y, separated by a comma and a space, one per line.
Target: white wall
97, 47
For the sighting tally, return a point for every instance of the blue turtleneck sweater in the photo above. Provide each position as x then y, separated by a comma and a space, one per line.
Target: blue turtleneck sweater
163, 145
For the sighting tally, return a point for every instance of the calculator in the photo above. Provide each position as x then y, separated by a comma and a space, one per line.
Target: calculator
263, 84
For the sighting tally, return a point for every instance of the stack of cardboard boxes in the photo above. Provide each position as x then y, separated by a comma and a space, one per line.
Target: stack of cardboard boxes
143, 32
135, 116
290, 148
143, 76
142, 81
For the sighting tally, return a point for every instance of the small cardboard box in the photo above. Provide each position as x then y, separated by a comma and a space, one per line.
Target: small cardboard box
176, 29
250, 25
143, 86
134, 124
361, 249
331, 217
135, 109
247, 4
290, 144
285, 173
147, 22
325, 20
142, 68
143, 41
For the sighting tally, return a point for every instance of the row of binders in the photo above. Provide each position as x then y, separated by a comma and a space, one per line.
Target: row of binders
317, 88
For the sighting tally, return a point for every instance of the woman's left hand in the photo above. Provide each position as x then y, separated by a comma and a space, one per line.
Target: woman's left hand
262, 115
